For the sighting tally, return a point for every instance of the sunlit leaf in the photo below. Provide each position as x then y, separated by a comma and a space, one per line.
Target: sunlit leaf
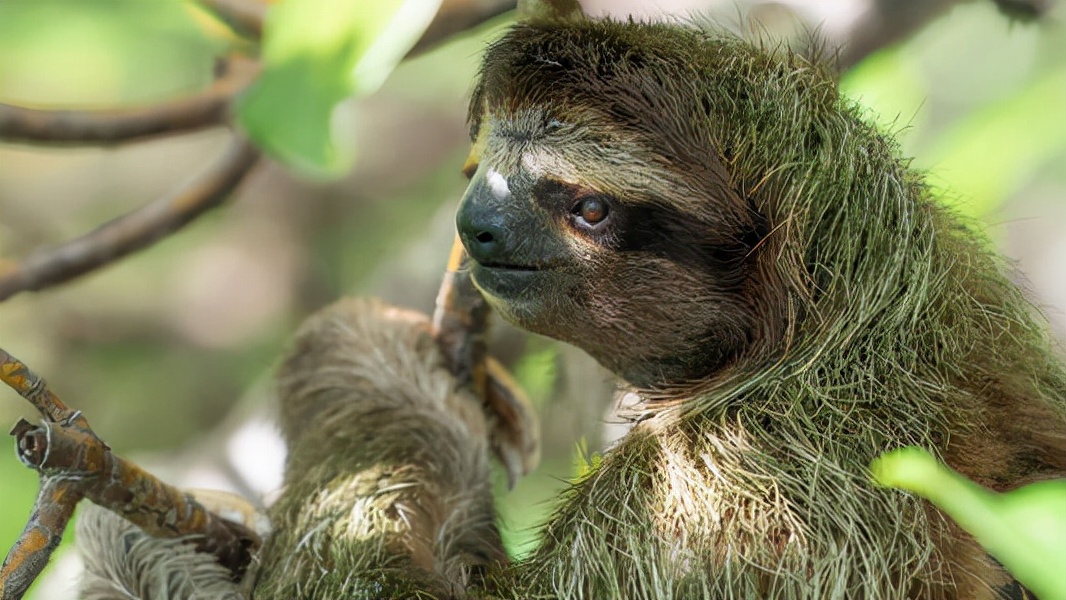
537, 371
988, 155
889, 89
92, 53
1024, 529
316, 54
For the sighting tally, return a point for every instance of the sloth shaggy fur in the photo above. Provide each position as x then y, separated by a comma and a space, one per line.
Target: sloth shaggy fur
841, 310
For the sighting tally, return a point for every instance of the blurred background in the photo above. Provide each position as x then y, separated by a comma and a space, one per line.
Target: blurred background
169, 352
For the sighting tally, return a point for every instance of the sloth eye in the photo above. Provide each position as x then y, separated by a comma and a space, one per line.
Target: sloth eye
591, 210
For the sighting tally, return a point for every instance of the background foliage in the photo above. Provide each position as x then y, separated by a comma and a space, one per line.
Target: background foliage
169, 351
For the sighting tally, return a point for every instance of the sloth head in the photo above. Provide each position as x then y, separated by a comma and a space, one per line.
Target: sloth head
601, 210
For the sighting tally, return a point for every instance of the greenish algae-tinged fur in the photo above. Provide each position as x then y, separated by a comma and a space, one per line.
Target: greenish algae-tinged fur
387, 490
851, 312
883, 319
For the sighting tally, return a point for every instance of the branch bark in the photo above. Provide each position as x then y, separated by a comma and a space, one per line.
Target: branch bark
209, 108
74, 463
456, 16
52, 510
244, 17
135, 230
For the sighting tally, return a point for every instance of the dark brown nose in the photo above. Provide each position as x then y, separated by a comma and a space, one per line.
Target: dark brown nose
480, 221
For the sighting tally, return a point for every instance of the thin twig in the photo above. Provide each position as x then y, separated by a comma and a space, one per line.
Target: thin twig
208, 108
135, 230
74, 463
140, 228
52, 510
892, 21
460, 326
244, 17
460, 322
36, 390
457, 16
1025, 10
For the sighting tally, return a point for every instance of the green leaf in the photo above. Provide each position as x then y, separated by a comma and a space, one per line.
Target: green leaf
990, 154
585, 462
1024, 529
101, 53
537, 371
317, 53
890, 89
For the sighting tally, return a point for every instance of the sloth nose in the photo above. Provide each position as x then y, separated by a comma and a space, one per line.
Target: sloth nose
482, 226
481, 231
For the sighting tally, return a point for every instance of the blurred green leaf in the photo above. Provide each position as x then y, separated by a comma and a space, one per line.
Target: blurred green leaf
20, 488
537, 370
889, 88
317, 53
1024, 529
102, 52
986, 156
980, 134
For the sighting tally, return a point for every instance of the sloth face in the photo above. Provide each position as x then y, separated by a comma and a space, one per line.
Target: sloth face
578, 231
601, 209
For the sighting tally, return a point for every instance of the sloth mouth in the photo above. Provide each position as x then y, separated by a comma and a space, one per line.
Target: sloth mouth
514, 283
510, 266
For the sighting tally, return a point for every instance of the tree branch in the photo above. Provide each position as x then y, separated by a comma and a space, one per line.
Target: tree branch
888, 22
74, 463
135, 230
141, 228
52, 510
244, 17
1025, 10
208, 108
456, 16
891, 21
460, 325
879, 23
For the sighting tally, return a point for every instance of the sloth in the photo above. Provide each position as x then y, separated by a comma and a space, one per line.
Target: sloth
712, 222
715, 224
